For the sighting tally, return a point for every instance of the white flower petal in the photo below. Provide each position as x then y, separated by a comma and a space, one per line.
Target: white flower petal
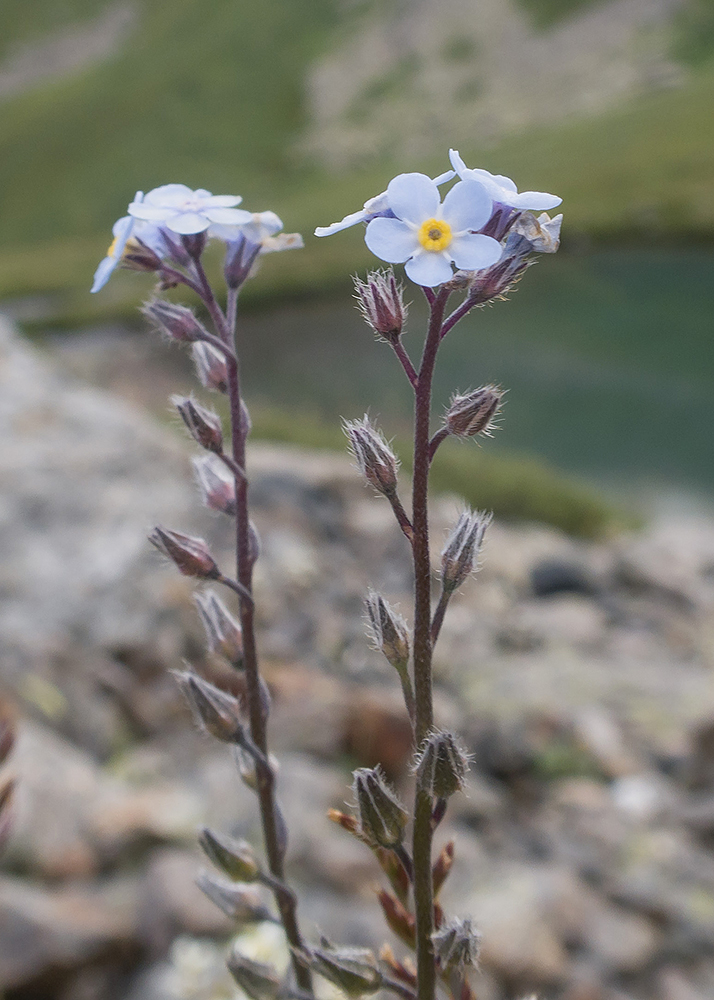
151, 236
535, 201
227, 216
223, 201
473, 251
169, 195
429, 269
457, 163
270, 221
103, 273
391, 240
380, 203
337, 227
120, 231
186, 223
443, 178
413, 198
467, 205
150, 213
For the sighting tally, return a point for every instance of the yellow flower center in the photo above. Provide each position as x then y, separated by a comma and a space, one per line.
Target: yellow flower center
434, 234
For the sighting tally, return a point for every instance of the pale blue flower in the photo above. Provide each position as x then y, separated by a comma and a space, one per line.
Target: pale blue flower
502, 189
263, 230
121, 231
427, 236
184, 211
375, 208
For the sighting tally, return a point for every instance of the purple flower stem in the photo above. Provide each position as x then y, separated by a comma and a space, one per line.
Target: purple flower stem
422, 836
272, 836
406, 362
438, 619
441, 435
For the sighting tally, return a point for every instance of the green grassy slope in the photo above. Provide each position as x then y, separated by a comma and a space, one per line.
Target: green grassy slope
211, 96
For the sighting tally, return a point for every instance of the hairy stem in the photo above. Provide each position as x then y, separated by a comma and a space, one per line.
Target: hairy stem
272, 823
424, 716
405, 361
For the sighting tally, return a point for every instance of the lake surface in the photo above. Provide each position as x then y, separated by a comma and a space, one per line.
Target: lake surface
608, 357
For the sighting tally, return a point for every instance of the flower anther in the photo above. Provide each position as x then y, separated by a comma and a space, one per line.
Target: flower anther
435, 234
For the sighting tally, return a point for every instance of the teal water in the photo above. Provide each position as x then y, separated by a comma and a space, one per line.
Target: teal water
608, 357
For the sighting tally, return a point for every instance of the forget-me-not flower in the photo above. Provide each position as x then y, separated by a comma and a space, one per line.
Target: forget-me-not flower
263, 229
374, 208
121, 231
427, 236
184, 211
502, 189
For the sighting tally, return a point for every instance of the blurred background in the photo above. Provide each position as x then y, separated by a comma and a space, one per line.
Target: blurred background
579, 666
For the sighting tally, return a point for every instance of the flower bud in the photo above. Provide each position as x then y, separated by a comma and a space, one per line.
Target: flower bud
380, 299
387, 630
543, 233
245, 762
194, 243
215, 711
176, 322
460, 555
382, 817
190, 555
241, 255
138, 256
257, 980
493, 282
473, 412
456, 944
234, 858
217, 486
375, 459
441, 765
223, 633
203, 425
353, 970
210, 366
237, 902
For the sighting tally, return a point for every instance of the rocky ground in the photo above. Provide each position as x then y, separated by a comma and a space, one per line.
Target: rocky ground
580, 676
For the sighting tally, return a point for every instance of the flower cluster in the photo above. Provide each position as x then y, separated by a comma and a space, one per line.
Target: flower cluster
157, 222
409, 223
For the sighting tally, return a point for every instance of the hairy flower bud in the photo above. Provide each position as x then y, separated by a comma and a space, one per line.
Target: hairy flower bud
441, 765
375, 459
380, 299
190, 555
388, 631
460, 555
203, 425
215, 711
456, 944
257, 980
473, 412
241, 255
223, 633
210, 366
245, 762
353, 970
138, 256
176, 322
382, 817
217, 486
236, 901
234, 858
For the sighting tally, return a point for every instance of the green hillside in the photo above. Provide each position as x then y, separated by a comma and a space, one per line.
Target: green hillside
211, 95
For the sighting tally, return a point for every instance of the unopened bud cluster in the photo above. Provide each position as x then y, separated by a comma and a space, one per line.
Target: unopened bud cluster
441, 765
353, 970
456, 944
381, 301
460, 555
203, 424
473, 412
382, 817
388, 631
375, 459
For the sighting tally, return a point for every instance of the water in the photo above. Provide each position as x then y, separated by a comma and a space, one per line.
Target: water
608, 358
